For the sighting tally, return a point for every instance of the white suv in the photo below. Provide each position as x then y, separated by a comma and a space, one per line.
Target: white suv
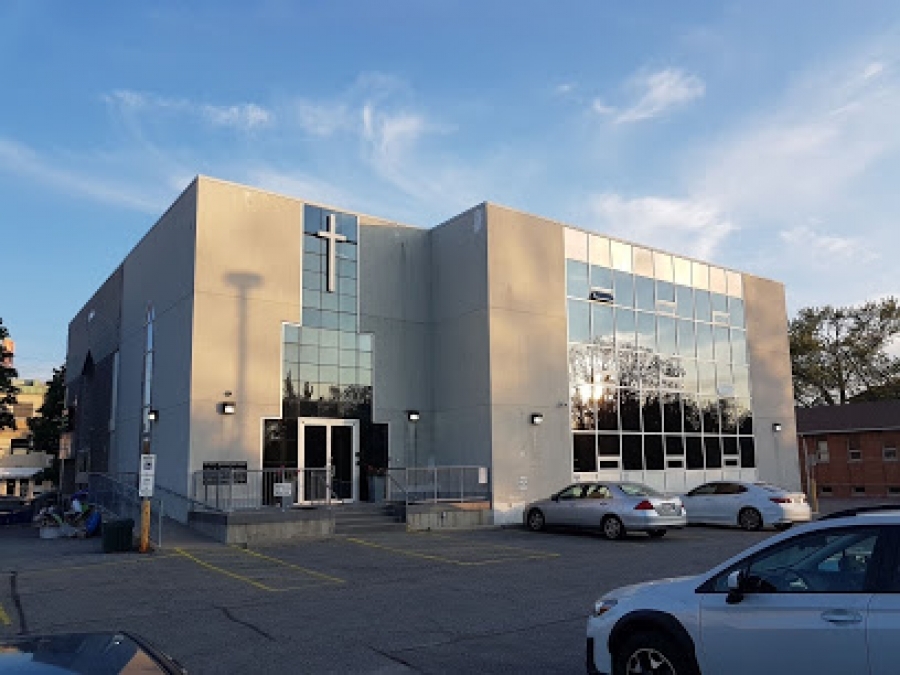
822, 599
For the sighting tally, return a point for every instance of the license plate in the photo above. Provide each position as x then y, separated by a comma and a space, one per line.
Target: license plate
666, 508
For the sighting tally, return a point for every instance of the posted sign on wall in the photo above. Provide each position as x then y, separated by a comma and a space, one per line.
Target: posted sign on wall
147, 475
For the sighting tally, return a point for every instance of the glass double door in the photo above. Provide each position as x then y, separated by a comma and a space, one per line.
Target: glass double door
327, 452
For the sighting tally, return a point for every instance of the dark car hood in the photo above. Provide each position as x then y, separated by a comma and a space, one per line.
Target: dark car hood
84, 653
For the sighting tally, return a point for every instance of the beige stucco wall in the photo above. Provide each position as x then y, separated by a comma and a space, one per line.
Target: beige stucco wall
462, 397
395, 300
770, 378
528, 354
158, 273
247, 282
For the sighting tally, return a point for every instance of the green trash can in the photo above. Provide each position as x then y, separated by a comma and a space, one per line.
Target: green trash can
118, 536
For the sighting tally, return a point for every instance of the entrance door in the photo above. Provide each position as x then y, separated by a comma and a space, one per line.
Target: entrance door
326, 459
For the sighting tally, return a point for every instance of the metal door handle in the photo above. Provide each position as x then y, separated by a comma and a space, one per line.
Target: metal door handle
841, 616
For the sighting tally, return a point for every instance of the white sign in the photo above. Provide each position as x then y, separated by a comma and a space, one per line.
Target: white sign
145, 487
283, 489
148, 465
482, 475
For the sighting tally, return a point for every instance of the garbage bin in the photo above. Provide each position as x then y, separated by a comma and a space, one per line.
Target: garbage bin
118, 536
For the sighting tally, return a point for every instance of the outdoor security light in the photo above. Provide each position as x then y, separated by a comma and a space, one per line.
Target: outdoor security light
228, 407
153, 415
412, 415
776, 427
537, 418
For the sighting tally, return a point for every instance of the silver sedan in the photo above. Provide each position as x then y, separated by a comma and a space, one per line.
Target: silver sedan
616, 508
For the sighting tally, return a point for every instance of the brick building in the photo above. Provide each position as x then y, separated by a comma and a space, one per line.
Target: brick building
851, 450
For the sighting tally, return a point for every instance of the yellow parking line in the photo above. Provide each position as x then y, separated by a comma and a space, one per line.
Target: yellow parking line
220, 570
476, 544
4, 617
313, 573
123, 561
450, 561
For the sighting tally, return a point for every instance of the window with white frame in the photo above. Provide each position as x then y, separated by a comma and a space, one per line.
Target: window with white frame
822, 455
889, 453
854, 452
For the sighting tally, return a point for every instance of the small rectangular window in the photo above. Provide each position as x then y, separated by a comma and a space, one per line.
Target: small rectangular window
894, 490
825, 490
859, 489
854, 455
889, 453
822, 455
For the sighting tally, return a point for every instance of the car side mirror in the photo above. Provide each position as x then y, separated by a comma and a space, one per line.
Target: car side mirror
735, 585
555, 498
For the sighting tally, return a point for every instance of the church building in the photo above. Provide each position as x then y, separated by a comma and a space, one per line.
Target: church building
258, 331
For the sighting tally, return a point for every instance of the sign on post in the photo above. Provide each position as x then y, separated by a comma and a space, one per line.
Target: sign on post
147, 476
283, 489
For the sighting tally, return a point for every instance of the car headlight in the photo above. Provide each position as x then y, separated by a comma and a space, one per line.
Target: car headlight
602, 606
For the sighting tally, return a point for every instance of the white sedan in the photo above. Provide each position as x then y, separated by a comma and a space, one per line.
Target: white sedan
822, 599
749, 505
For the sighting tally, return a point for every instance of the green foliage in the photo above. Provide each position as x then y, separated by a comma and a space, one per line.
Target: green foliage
7, 390
841, 354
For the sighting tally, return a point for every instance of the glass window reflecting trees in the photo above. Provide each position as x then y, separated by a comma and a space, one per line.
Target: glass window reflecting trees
657, 371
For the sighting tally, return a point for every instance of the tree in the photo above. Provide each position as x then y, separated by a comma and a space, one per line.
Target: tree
7, 390
841, 354
51, 421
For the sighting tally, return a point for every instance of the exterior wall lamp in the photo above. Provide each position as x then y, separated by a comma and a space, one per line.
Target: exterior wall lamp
227, 408
776, 427
537, 418
412, 415
153, 415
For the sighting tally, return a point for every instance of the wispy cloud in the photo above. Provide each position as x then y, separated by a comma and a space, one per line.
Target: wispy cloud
21, 160
691, 227
827, 249
241, 116
654, 94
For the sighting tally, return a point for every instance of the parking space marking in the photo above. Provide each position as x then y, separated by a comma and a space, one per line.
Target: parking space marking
4, 617
318, 578
124, 561
312, 573
531, 555
221, 570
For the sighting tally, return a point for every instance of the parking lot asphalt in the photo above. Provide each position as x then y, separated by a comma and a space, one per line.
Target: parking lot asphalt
484, 601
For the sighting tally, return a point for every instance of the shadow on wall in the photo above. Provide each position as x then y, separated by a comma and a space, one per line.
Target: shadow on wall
235, 354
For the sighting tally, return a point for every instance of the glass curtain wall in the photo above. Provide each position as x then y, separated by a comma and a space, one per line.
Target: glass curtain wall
658, 370
327, 362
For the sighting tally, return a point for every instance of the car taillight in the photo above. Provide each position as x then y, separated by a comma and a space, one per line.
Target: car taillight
781, 500
644, 506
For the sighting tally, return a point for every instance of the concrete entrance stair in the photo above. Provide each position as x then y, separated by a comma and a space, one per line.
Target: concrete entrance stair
364, 517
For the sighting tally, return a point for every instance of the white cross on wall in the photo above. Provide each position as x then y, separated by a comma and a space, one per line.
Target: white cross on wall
332, 237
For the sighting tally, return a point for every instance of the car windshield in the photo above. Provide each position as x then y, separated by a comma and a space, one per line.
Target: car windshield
638, 490
768, 487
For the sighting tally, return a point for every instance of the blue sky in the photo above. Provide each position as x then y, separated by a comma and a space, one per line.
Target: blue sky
762, 136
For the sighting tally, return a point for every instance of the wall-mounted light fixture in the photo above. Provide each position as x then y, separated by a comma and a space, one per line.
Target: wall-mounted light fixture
227, 408
776, 427
537, 418
412, 415
153, 415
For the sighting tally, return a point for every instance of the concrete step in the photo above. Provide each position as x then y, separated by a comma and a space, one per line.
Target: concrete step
363, 517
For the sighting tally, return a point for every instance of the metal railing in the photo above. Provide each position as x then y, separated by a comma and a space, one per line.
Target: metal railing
438, 484
237, 489
121, 498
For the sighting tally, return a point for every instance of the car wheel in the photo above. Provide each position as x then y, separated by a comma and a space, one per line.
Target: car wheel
781, 527
536, 520
750, 519
612, 528
654, 653
656, 534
